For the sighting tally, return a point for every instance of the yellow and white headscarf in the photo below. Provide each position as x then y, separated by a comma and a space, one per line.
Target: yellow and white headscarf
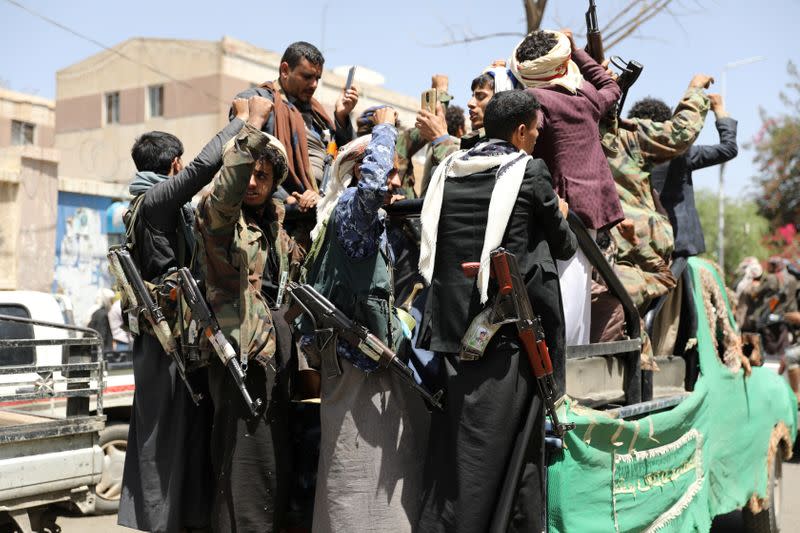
554, 68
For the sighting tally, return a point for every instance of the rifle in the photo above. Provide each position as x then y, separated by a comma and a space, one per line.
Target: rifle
514, 306
205, 319
630, 72
323, 313
594, 41
140, 301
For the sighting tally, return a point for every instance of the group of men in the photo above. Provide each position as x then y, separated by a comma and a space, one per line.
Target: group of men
544, 140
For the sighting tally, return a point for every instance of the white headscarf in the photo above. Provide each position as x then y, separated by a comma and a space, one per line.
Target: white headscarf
503, 78
341, 176
554, 68
511, 171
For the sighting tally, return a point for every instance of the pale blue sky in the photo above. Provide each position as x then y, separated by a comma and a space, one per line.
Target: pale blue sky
390, 37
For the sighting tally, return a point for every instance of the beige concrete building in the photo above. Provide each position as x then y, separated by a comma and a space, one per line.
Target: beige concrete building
104, 102
28, 191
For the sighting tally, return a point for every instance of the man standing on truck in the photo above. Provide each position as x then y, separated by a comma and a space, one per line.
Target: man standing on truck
488, 398
166, 483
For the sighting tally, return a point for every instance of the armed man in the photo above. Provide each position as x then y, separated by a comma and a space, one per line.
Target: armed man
374, 425
165, 484
492, 195
245, 256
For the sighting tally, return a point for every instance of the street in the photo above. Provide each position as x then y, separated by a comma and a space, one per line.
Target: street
730, 523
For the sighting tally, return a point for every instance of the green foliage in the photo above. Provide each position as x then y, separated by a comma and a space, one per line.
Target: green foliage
777, 148
745, 229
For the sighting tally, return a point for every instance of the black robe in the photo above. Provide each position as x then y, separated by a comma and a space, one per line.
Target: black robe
166, 482
487, 400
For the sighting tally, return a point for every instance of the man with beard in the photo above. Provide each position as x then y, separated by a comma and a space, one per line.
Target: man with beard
373, 425
244, 255
301, 123
166, 483
492, 195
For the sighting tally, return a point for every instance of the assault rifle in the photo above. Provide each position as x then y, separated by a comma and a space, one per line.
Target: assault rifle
514, 306
325, 315
629, 73
594, 44
141, 302
205, 319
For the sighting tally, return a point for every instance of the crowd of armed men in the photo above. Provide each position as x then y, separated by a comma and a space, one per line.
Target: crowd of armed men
349, 369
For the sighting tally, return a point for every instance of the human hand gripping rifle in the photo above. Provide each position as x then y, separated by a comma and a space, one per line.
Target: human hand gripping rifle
129, 279
206, 320
326, 316
513, 305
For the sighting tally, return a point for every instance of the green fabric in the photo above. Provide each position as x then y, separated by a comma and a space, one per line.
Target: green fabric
674, 470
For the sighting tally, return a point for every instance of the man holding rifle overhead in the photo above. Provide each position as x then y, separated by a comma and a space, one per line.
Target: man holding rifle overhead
493, 195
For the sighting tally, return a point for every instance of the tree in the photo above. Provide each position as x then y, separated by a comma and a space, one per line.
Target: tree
777, 148
620, 25
746, 231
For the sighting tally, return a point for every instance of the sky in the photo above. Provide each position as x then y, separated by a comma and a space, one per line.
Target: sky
395, 38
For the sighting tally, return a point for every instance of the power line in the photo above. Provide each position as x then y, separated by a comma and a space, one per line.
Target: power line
112, 50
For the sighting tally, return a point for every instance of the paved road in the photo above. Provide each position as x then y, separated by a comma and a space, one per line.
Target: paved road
730, 523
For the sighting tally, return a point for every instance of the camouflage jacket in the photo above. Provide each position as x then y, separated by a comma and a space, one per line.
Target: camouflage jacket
631, 155
234, 250
409, 142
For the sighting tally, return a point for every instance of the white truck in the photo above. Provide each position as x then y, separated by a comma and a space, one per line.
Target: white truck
54, 443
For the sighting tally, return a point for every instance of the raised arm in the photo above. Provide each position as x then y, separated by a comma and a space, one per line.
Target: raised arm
608, 92
222, 208
662, 141
163, 201
727, 149
357, 224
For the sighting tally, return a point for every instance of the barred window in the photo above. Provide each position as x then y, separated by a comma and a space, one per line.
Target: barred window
22, 132
112, 108
155, 95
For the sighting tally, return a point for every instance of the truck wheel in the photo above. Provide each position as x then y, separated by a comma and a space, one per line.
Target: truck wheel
114, 443
768, 520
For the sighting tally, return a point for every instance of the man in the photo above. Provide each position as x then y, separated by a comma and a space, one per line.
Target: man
575, 93
644, 244
487, 399
166, 480
244, 254
673, 181
373, 426
300, 122
456, 126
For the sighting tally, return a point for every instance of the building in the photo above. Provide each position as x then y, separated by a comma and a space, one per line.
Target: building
28, 191
105, 101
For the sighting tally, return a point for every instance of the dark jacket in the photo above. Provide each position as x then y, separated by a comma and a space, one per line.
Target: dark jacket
536, 233
673, 181
569, 143
159, 218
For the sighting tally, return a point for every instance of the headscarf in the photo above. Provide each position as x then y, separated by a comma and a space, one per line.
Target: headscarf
364, 120
504, 79
554, 68
341, 176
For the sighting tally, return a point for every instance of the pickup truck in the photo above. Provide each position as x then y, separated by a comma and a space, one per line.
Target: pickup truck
52, 457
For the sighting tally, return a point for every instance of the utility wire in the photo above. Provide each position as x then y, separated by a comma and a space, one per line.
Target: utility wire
112, 50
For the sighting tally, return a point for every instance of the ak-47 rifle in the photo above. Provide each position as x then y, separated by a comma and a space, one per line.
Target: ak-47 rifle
206, 320
629, 73
514, 306
325, 315
141, 302
594, 44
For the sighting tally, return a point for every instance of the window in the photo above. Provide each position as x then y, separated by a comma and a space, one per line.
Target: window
112, 108
155, 95
16, 330
21, 132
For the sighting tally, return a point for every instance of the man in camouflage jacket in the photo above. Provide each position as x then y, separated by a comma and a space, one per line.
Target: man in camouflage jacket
632, 151
244, 255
